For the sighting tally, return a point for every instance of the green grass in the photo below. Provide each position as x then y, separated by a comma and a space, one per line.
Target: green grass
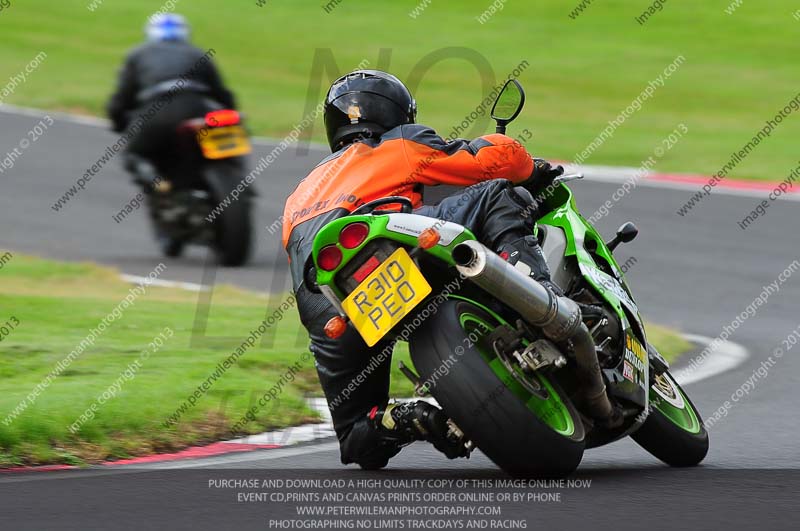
57, 303
670, 344
740, 69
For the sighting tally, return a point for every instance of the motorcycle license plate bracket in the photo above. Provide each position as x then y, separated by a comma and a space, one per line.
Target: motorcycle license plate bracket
386, 296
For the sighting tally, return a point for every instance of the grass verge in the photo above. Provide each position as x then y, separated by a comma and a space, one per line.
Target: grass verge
739, 70
57, 304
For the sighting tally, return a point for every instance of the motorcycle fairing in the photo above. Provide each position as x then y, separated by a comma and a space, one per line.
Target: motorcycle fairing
629, 378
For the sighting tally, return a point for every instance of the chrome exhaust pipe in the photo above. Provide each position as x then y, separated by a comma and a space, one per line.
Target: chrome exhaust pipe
559, 318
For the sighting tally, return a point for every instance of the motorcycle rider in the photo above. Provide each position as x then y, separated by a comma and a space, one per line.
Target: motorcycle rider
162, 83
378, 151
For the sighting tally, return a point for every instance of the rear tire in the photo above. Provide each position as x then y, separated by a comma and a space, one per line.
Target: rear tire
485, 400
232, 227
673, 431
170, 247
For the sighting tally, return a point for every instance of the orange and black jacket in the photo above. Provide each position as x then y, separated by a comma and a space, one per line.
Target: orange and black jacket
400, 162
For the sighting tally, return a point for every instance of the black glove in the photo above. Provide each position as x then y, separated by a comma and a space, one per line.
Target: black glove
542, 178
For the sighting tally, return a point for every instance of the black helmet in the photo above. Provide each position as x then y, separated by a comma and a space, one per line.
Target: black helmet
366, 103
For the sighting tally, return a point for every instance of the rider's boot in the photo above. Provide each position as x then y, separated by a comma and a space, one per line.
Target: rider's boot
406, 422
144, 173
525, 254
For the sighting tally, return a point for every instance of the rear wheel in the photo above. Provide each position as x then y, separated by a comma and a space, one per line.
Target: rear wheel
673, 431
170, 247
232, 225
524, 433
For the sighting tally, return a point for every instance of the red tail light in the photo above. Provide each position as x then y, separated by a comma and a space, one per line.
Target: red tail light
329, 257
353, 235
222, 118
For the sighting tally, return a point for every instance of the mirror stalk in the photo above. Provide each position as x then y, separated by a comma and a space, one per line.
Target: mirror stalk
626, 233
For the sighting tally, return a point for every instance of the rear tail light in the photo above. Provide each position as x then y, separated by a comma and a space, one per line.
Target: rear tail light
353, 235
222, 118
329, 258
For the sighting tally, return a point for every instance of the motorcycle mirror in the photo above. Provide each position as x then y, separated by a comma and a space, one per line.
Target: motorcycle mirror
508, 104
626, 233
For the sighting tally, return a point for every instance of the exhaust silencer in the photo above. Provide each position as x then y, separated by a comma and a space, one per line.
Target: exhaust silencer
559, 318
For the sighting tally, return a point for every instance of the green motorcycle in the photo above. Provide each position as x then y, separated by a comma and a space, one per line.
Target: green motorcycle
530, 378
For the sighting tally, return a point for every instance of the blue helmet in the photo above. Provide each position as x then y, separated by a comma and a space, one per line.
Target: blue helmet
167, 27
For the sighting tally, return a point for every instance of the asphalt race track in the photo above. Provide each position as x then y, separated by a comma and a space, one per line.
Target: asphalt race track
695, 273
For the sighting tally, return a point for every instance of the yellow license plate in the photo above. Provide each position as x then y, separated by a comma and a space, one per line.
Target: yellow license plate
224, 142
386, 296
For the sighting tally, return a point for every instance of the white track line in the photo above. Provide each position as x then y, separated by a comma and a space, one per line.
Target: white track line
724, 357
188, 286
607, 174
94, 121
306, 432
240, 457
67, 117
201, 462
297, 434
